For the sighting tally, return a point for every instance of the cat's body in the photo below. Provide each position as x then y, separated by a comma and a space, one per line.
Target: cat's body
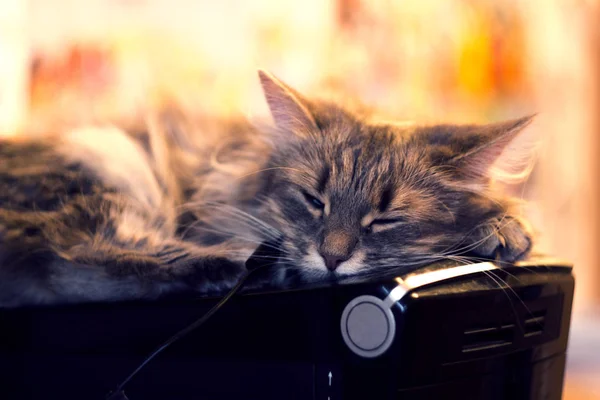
102, 214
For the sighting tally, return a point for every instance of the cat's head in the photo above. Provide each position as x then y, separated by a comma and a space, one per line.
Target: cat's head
355, 196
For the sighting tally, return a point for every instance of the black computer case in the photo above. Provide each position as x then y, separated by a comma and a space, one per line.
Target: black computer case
492, 333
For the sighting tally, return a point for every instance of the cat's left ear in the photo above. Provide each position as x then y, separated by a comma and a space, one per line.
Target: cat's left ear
475, 149
288, 108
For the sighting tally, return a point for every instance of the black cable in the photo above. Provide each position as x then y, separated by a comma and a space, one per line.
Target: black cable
251, 264
179, 335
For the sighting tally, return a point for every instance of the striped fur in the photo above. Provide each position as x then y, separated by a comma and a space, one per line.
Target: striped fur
101, 214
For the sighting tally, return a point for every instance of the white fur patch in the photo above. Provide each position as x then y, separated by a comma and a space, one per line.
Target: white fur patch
313, 260
353, 265
116, 159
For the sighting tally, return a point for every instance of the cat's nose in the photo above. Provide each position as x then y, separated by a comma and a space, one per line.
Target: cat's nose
337, 246
332, 261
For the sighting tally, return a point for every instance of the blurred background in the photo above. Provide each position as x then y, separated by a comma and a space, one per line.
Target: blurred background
68, 62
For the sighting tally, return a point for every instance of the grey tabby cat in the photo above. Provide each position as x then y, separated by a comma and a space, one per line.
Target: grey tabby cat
99, 214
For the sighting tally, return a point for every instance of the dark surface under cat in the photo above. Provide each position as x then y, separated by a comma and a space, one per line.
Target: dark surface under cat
462, 337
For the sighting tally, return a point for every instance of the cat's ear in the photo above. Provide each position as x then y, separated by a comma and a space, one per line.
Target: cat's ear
476, 149
289, 110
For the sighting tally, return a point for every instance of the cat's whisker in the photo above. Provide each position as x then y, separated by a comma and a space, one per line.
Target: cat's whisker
269, 232
527, 309
282, 258
451, 247
497, 282
495, 261
240, 221
251, 232
242, 214
265, 227
474, 245
246, 239
531, 270
420, 261
512, 275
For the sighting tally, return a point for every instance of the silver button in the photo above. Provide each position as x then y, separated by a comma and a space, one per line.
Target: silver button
368, 326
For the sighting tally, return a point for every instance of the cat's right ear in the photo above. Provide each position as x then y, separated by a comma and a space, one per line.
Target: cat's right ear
478, 152
288, 109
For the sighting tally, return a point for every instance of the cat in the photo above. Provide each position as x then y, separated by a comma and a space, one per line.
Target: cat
101, 214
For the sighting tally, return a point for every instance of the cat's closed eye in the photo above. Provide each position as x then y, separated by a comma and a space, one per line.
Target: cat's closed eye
386, 221
313, 201
381, 224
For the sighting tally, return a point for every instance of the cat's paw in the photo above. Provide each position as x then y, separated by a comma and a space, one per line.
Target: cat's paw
221, 269
203, 273
507, 239
213, 274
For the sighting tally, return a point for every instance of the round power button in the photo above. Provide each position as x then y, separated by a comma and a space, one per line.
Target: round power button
368, 326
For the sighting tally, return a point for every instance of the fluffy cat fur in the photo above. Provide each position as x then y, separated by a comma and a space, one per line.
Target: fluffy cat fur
100, 214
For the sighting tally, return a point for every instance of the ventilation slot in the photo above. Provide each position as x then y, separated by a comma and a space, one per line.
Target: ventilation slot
534, 325
488, 338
